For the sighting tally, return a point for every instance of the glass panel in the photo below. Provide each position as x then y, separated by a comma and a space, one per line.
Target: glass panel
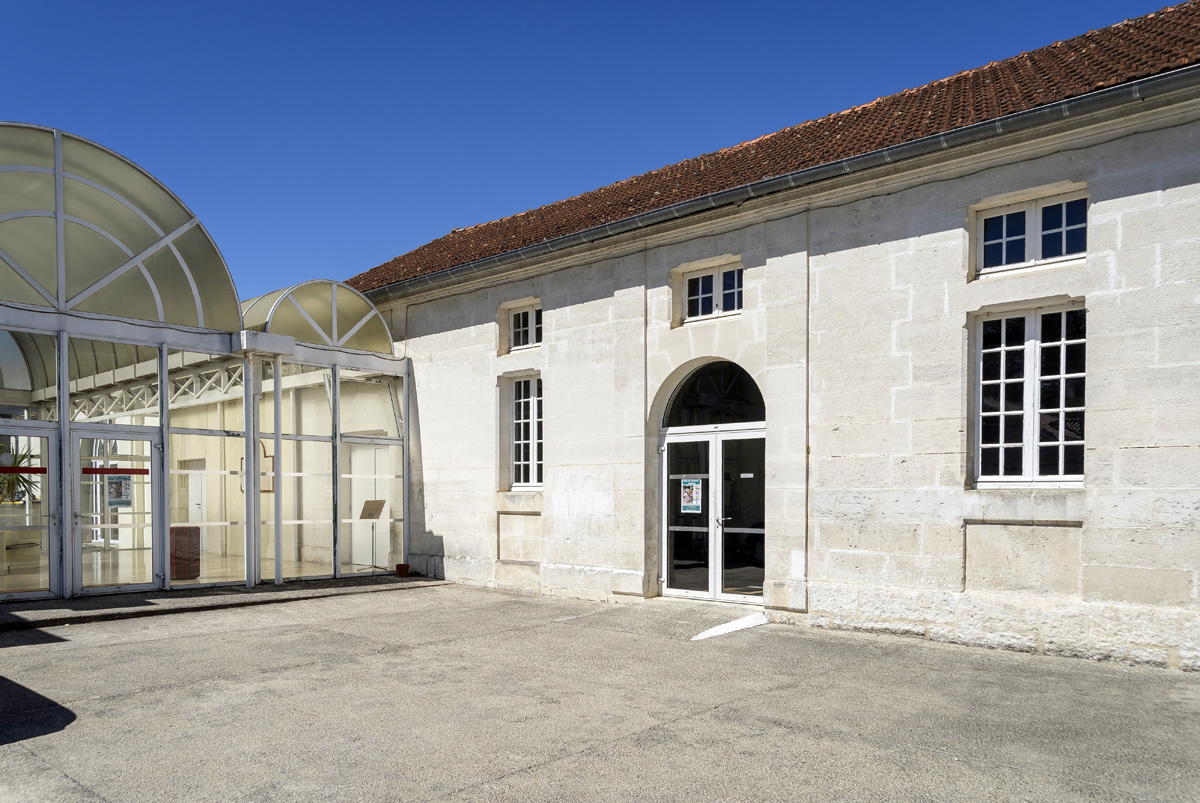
989, 463
1052, 327
1014, 223
991, 398
1012, 462
1072, 460
1049, 396
1014, 364
1076, 324
687, 516
207, 390
1073, 425
743, 463
993, 255
368, 404
1014, 396
306, 405
114, 383
217, 295
174, 291
1014, 331
109, 214
115, 508
537, 325
991, 334
1076, 357
26, 146
1076, 241
1014, 251
208, 509
1077, 212
372, 488
991, 367
1014, 428
24, 513
307, 494
1047, 461
1052, 217
1052, 245
111, 171
1074, 396
520, 329
1048, 428
26, 192
716, 393
990, 430
30, 242
1051, 364
28, 376
372, 336
731, 290
993, 228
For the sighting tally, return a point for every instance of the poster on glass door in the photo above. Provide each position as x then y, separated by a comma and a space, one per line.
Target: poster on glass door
690, 497
120, 490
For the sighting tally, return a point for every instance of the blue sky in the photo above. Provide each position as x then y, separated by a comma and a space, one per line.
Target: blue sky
321, 139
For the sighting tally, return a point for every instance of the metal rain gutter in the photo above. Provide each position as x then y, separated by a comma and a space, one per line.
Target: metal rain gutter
1100, 100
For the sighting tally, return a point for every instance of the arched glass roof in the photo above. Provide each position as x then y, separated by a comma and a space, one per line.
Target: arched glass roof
84, 229
322, 312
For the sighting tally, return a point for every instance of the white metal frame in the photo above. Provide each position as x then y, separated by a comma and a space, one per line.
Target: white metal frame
159, 545
715, 436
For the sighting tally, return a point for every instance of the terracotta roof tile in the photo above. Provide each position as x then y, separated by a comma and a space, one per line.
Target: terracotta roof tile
1130, 50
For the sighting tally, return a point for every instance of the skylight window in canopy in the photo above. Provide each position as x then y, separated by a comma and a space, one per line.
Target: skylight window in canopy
84, 230
321, 312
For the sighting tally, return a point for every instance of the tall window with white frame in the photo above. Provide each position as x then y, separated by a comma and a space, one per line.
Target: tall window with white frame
527, 433
525, 328
1031, 401
712, 292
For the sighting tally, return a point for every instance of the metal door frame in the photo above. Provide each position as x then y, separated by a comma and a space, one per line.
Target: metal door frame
158, 536
715, 436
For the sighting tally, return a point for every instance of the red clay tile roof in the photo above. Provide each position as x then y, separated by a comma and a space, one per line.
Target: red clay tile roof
1156, 43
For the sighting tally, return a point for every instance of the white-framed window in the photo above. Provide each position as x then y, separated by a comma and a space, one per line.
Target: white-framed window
1030, 396
526, 440
712, 292
1031, 233
525, 328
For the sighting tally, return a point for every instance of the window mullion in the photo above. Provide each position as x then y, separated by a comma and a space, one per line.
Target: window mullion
1033, 373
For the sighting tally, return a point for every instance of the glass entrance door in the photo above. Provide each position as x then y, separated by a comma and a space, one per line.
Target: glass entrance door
713, 524
115, 495
28, 541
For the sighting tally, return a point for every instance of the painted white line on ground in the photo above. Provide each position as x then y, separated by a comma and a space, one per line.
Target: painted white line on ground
753, 620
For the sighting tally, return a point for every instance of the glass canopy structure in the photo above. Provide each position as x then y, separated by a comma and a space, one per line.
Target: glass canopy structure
154, 432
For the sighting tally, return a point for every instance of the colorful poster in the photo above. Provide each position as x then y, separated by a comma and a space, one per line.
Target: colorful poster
120, 490
691, 497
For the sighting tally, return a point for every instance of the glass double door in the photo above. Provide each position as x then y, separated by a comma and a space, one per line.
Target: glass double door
713, 524
116, 543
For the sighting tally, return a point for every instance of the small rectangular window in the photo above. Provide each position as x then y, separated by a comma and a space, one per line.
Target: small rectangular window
527, 432
525, 327
1031, 233
1030, 396
713, 292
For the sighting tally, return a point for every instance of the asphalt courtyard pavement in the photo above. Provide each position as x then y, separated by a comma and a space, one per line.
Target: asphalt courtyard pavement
445, 692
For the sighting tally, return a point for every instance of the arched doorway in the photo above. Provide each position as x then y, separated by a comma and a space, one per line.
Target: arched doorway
713, 476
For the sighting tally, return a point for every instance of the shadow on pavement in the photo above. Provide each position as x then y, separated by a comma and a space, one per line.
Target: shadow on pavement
25, 714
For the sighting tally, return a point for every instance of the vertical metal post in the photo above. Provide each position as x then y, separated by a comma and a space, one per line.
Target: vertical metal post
253, 391
405, 464
277, 402
335, 403
68, 537
162, 499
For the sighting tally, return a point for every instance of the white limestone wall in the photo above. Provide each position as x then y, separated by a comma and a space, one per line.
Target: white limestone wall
856, 326
899, 540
